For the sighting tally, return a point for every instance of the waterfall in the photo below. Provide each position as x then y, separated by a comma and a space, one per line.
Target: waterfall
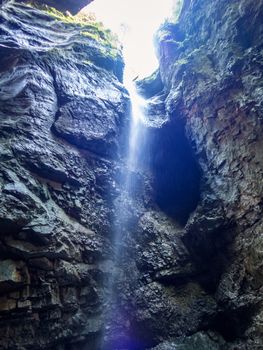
123, 205
136, 129
128, 19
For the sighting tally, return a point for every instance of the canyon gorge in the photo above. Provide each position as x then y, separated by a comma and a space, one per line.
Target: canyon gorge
189, 268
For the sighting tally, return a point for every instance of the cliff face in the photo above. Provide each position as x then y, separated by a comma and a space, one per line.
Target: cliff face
189, 271
211, 69
58, 87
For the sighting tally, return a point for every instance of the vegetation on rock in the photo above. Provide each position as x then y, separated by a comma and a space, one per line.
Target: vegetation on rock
88, 27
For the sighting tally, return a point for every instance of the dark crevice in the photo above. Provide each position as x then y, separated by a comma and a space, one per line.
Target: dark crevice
232, 324
211, 251
175, 171
168, 152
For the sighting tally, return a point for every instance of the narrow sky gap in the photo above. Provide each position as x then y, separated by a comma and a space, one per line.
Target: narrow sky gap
135, 22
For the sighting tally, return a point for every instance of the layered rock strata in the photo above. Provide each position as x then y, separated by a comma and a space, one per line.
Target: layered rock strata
62, 111
189, 271
211, 70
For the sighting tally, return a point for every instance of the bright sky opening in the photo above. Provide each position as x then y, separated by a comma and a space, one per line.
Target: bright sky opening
135, 22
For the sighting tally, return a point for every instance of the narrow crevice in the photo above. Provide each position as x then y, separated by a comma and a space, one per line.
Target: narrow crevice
232, 324
175, 170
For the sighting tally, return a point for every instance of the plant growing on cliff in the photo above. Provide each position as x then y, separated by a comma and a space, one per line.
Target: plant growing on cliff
87, 24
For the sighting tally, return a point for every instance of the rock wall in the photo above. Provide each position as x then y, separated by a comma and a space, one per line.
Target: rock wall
211, 69
189, 269
62, 111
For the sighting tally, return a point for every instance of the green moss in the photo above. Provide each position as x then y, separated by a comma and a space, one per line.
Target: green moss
66, 18
102, 36
109, 52
94, 36
181, 61
87, 62
87, 25
150, 79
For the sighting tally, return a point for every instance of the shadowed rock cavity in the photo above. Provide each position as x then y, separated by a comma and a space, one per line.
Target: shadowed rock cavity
176, 175
63, 110
167, 150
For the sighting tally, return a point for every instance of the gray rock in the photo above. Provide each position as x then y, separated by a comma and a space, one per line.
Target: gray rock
10, 272
198, 341
189, 239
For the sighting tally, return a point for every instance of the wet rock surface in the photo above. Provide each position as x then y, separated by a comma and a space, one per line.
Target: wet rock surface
189, 273
211, 68
198, 341
57, 178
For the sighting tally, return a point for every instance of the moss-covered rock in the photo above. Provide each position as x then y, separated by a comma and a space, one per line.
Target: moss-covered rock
78, 38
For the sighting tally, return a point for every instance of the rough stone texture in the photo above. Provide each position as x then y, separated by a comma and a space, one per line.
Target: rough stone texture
56, 177
211, 68
189, 270
198, 341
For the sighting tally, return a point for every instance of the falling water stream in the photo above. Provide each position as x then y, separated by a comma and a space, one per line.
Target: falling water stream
141, 19
137, 126
122, 205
